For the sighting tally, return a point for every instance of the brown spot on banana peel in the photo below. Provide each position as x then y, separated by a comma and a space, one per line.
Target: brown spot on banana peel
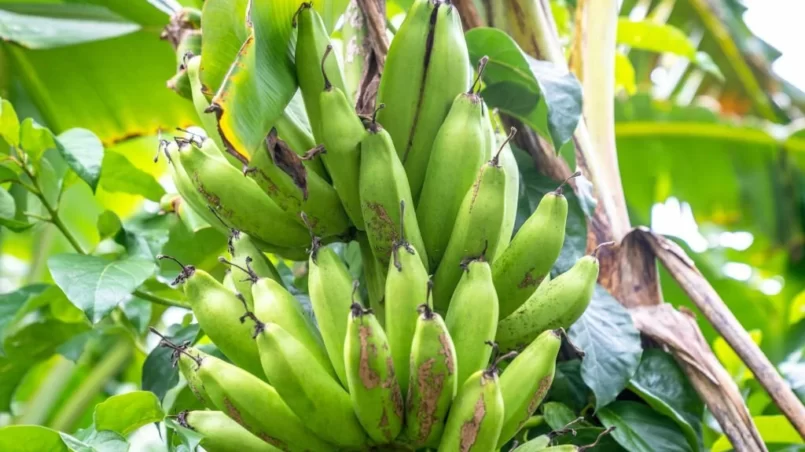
234, 414
369, 377
287, 160
396, 395
382, 223
430, 388
212, 199
536, 399
529, 280
449, 359
469, 430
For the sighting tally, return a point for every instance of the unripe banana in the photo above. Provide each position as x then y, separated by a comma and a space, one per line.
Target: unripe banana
537, 444
208, 121
307, 388
472, 318
293, 128
331, 295
432, 381
257, 406
218, 312
272, 303
476, 231
229, 283
509, 164
222, 434
190, 43
311, 42
406, 287
240, 201
187, 358
556, 304
476, 416
528, 259
375, 275
341, 134
526, 381
279, 172
383, 185
459, 150
248, 263
372, 383
427, 67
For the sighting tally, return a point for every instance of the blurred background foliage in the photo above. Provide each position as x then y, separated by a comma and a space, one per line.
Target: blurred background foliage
711, 145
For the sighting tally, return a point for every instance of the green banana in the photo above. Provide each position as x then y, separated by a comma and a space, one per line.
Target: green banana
279, 172
372, 383
556, 304
331, 295
248, 263
272, 303
311, 42
524, 263
459, 150
537, 444
218, 312
307, 388
427, 67
375, 276
229, 282
509, 164
383, 186
222, 434
472, 318
257, 406
356, 47
187, 358
342, 134
190, 43
476, 416
526, 381
240, 201
432, 381
406, 286
476, 231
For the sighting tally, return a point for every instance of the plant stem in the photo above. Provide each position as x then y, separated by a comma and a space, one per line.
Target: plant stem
38, 408
106, 368
158, 300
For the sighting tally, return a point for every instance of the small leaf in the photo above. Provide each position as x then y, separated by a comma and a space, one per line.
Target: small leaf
611, 345
126, 413
83, 151
638, 428
31, 438
57, 25
8, 173
90, 440
8, 208
35, 139
189, 438
120, 175
774, 429
158, 374
557, 415
51, 180
12, 302
96, 285
661, 383
9, 123
108, 224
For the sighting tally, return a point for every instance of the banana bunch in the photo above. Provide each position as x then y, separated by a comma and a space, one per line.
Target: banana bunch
426, 185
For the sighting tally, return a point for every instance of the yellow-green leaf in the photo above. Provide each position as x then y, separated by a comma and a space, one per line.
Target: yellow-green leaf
773, 429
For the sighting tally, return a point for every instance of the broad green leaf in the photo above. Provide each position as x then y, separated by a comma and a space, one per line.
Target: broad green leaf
126, 413
8, 173
655, 37
638, 428
611, 346
83, 151
35, 139
8, 213
660, 382
38, 26
11, 373
96, 285
774, 429
108, 224
262, 80
12, 302
138, 313
38, 337
624, 74
95, 441
330, 11
537, 92
31, 438
159, 375
568, 386
9, 124
119, 175
557, 415
224, 25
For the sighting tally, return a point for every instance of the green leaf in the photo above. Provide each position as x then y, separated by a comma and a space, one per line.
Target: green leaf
611, 346
11, 373
95, 441
108, 224
8, 173
31, 438
516, 83
96, 285
262, 80
126, 413
8, 208
120, 175
330, 11
654, 37
557, 415
568, 386
12, 302
774, 429
9, 124
56, 25
190, 438
624, 74
159, 374
638, 428
83, 151
660, 382
224, 25
35, 139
